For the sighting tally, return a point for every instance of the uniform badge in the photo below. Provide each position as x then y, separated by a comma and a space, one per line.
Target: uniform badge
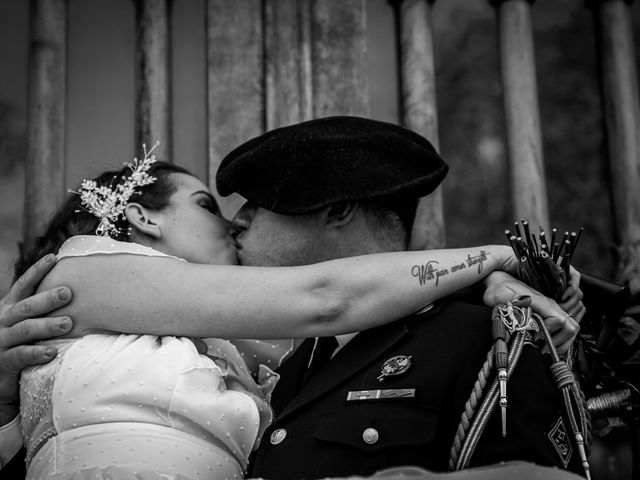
394, 366
386, 394
560, 440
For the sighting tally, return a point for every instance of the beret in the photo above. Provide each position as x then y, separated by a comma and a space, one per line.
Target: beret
307, 166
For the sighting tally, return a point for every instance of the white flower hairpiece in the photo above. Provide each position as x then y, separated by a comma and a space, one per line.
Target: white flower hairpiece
108, 203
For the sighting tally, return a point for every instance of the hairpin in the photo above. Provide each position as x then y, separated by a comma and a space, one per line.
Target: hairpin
108, 203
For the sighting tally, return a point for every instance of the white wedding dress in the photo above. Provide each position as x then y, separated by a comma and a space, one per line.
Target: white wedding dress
142, 402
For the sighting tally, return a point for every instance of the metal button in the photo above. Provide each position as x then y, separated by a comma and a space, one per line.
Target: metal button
370, 436
277, 436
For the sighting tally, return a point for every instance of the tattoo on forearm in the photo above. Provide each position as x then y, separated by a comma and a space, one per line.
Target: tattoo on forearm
427, 272
433, 271
477, 260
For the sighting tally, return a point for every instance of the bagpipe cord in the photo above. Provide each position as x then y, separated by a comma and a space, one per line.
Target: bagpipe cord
472, 424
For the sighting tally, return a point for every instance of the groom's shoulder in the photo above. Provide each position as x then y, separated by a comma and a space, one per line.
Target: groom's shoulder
452, 321
456, 310
15, 468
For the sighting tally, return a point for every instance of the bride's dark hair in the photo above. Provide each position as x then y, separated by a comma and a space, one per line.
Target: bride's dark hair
73, 219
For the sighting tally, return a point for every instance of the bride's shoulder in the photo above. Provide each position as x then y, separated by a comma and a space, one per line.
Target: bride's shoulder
86, 245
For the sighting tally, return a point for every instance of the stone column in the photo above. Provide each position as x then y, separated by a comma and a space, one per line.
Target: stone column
339, 58
153, 77
47, 99
620, 98
235, 81
419, 108
522, 118
289, 89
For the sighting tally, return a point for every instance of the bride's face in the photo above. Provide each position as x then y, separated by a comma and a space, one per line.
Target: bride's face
192, 226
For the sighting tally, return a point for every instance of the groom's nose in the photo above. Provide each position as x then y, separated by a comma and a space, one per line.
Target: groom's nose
242, 220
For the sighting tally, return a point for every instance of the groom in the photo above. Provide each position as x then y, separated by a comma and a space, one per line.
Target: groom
393, 395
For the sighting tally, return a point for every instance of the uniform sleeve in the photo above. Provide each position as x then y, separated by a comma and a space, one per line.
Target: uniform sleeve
10, 441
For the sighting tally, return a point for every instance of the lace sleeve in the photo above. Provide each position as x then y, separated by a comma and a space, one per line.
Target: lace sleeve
257, 381
269, 353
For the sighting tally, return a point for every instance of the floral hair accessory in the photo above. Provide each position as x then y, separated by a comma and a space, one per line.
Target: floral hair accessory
108, 203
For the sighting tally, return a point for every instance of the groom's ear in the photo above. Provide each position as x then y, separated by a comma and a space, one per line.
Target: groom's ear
340, 214
143, 220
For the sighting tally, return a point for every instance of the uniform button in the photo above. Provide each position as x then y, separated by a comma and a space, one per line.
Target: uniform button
277, 436
370, 436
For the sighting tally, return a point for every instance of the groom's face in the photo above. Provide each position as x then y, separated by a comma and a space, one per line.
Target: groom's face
265, 238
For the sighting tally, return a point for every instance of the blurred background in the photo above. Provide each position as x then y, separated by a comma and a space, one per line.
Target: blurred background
100, 111
100, 123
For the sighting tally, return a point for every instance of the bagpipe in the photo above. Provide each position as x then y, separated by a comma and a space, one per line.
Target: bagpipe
595, 379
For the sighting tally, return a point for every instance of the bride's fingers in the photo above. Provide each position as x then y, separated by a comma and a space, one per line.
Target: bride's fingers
564, 348
563, 332
573, 294
570, 305
572, 298
579, 315
574, 278
572, 291
565, 326
545, 307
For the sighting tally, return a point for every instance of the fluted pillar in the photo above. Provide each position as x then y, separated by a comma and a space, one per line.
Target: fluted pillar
153, 76
235, 81
339, 55
47, 99
522, 118
620, 98
419, 107
289, 90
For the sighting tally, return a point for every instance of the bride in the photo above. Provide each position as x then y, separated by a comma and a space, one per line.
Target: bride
173, 404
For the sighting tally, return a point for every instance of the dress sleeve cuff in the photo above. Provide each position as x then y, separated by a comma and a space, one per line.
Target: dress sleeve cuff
10, 441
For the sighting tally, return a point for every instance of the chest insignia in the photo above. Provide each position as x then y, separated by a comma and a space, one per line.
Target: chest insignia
394, 366
560, 441
391, 394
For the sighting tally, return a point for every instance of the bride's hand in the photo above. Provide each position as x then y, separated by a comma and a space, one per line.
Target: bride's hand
508, 262
562, 325
572, 298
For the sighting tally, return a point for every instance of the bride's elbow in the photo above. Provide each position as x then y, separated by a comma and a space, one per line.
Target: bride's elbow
331, 306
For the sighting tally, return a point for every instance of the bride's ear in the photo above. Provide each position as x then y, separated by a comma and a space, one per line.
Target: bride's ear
143, 220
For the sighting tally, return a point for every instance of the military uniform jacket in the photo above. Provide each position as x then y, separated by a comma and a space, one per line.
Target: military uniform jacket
319, 433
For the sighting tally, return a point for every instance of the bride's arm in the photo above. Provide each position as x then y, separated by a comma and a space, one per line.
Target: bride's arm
137, 294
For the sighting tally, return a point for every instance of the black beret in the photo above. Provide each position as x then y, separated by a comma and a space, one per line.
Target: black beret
307, 166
